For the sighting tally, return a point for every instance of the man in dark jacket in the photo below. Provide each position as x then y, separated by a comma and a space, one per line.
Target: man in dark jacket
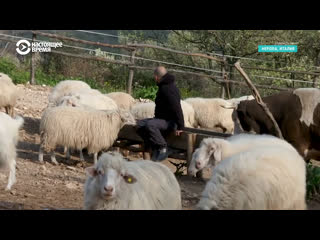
168, 115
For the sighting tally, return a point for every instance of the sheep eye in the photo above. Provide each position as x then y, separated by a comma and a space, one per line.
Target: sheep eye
100, 172
129, 179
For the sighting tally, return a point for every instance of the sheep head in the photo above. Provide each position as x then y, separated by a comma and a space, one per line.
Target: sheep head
230, 105
209, 153
126, 117
70, 101
109, 174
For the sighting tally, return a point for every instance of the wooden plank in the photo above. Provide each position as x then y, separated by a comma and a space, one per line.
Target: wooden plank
179, 71
283, 71
82, 41
216, 79
128, 46
91, 58
32, 67
206, 132
176, 51
257, 85
128, 132
131, 73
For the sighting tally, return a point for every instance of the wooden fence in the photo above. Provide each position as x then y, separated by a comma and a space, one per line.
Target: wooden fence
223, 81
190, 139
132, 48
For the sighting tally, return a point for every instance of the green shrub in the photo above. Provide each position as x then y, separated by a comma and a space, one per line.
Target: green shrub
17, 75
187, 93
145, 92
110, 87
313, 180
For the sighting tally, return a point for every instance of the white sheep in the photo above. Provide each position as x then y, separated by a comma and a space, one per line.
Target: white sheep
143, 110
87, 98
123, 100
79, 128
262, 178
213, 150
117, 184
65, 88
210, 115
9, 135
90, 99
5, 78
146, 110
188, 114
142, 100
8, 94
243, 98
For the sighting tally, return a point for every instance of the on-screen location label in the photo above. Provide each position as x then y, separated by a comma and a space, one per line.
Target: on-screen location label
277, 48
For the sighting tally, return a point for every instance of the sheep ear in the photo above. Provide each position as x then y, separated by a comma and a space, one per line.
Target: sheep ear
217, 155
212, 147
230, 105
215, 151
91, 171
129, 178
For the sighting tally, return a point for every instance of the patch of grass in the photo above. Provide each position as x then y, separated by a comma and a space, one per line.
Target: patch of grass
108, 87
17, 75
313, 180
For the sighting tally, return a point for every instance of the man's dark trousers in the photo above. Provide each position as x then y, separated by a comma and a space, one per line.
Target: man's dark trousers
153, 130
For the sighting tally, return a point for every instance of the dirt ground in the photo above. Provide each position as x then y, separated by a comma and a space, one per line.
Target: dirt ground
46, 186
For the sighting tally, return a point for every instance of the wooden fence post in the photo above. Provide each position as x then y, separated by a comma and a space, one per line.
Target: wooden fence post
223, 87
131, 73
146, 156
190, 147
32, 73
292, 77
4, 49
316, 78
225, 78
191, 138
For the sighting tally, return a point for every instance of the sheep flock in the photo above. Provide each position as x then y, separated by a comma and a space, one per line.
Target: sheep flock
248, 171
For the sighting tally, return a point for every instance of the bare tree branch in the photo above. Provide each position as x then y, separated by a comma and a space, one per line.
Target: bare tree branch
258, 98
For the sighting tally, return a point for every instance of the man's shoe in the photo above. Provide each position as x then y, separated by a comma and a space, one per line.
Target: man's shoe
162, 154
154, 155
